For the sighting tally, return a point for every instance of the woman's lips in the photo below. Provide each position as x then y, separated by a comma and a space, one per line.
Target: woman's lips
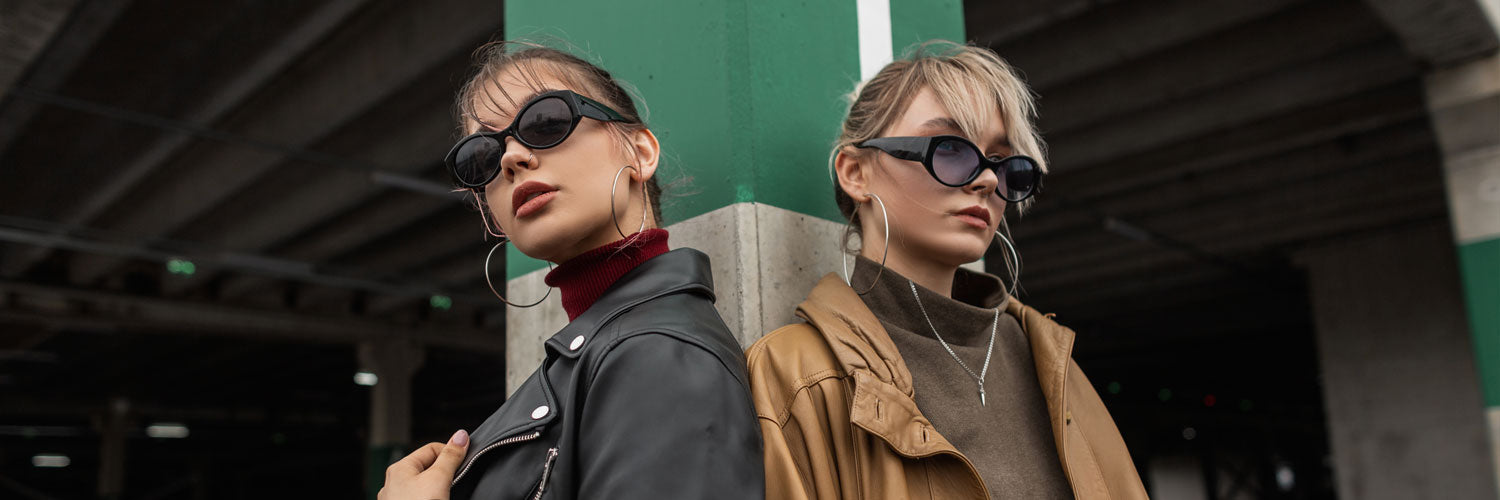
535, 204
530, 197
976, 216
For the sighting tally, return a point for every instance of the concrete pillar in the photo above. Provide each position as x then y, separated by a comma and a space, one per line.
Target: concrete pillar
746, 97
393, 362
114, 425
1399, 382
1464, 102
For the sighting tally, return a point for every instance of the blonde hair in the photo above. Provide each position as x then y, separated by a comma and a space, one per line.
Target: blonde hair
969, 81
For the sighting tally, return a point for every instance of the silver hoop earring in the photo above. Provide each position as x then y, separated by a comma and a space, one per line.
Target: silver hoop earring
487, 280
1012, 260
645, 201
885, 249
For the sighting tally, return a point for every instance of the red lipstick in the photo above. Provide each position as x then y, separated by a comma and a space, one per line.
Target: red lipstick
530, 197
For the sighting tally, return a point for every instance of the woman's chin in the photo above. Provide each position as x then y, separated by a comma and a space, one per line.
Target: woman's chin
967, 249
536, 246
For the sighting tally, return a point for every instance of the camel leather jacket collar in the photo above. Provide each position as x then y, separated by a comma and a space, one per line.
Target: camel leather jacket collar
811, 381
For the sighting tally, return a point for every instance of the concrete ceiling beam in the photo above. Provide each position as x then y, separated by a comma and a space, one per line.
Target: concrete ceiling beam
1124, 31
1258, 175
1309, 84
355, 71
114, 311
1313, 31
67, 48
1442, 32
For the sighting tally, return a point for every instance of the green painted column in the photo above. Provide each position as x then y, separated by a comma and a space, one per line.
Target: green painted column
1464, 102
746, 97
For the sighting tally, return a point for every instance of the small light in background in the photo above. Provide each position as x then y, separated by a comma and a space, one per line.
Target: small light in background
181, 266
1164, 395
1115, 387
365, 378
1210, 400
441, 302
1285, 479
1189, 433
167, 430
49, 460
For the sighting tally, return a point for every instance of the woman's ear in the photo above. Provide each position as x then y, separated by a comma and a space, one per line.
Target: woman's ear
647, 153
853, 175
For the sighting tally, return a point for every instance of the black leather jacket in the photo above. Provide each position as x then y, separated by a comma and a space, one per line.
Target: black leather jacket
644, 395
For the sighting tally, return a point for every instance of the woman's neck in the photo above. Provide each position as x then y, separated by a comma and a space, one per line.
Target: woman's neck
931, 275
585, 277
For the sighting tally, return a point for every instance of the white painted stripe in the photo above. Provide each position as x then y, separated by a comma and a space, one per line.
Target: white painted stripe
874, 17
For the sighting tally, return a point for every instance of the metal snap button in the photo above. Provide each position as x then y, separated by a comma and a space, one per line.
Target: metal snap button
539, 412
577, 342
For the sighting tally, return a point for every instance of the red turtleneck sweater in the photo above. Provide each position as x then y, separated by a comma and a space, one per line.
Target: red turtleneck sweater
584, 278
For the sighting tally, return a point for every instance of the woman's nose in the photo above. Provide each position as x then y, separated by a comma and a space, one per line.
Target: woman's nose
516, 157
985, 183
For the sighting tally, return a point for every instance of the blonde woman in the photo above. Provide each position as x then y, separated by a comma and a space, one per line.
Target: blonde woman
917, 378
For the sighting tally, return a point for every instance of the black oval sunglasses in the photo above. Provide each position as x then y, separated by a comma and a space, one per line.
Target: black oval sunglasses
956, 162
544, 122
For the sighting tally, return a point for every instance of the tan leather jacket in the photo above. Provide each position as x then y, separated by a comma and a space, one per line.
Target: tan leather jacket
834, 399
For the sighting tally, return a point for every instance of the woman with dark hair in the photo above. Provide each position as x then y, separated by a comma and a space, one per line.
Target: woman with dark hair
643, 394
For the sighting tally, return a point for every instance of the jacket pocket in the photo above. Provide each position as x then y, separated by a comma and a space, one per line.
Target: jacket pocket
541, 485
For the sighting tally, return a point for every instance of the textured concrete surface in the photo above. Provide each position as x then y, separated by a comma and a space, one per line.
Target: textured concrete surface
1400, 388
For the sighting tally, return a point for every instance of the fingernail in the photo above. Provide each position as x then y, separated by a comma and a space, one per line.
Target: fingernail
460, 438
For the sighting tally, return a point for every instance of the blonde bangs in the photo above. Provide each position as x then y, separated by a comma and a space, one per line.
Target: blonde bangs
969, 81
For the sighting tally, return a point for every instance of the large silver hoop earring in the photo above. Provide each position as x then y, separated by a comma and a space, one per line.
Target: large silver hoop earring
487, 280
1012, 259
884, 252
645, 201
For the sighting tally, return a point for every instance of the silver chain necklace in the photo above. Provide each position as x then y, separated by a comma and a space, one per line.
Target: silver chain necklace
994, 326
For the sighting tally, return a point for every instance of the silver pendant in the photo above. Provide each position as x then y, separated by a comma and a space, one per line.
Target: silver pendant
981, 397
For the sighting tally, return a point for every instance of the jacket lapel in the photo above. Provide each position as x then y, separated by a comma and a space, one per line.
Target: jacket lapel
857, 338
1051, 351
677, 271
882, 390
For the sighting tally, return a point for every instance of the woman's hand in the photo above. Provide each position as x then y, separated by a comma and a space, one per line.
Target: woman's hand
427, 473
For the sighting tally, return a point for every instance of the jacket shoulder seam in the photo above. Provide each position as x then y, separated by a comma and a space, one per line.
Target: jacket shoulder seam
798, 391
672, 335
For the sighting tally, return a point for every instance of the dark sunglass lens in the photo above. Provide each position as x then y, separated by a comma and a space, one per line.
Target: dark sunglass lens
954, 162
545, 123
477, 160
1020, 178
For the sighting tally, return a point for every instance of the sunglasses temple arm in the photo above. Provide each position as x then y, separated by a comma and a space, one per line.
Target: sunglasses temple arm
598, 111
905, 148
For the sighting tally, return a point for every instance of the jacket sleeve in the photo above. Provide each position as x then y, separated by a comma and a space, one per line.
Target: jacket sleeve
666, 419
785, 479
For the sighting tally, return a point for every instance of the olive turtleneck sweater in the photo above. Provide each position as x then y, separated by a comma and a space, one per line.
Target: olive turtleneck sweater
1009, 439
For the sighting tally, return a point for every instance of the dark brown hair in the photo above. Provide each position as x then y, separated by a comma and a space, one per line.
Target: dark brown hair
531, 61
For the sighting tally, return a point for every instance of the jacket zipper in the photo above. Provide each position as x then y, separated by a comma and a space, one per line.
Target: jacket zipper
546, 471
497, 444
